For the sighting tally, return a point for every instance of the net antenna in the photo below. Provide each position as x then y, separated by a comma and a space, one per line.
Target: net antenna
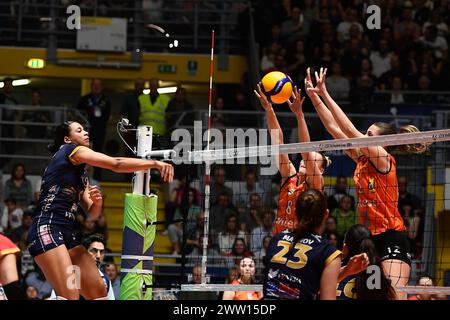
208, 167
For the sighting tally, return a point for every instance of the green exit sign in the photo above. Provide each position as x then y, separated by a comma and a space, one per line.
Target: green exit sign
167, 68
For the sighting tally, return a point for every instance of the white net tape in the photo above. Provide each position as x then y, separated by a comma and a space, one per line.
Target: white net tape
324, 145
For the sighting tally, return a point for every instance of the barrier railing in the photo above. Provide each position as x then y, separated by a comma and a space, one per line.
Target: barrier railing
39, 24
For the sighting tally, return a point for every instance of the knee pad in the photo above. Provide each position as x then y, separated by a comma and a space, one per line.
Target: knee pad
15, 291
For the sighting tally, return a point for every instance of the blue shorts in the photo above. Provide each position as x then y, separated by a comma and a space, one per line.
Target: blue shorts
50, 231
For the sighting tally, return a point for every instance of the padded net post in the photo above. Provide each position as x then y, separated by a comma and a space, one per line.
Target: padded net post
139, 230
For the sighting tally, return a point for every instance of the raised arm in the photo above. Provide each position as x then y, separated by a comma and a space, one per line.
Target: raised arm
285, 166
120, 165
378, 155
311, 159
326, 116
341, 118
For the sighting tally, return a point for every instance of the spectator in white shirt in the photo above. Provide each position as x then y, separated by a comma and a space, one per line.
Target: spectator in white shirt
432, 41
259, 233
343, 28
227, 238
246, 189
381, 59
11, 217
436, 19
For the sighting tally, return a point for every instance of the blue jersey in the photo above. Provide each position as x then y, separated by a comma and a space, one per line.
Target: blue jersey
63, 183
346, 289
294, 273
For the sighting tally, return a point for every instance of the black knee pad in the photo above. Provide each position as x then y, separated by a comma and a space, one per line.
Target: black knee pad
15, 291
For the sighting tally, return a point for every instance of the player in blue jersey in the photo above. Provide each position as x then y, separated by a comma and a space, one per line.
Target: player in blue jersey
65, 263
358, 286
302, 263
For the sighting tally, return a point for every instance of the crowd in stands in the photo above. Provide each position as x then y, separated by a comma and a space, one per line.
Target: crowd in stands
408, 52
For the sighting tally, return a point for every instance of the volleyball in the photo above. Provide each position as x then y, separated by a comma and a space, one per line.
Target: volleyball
277, 87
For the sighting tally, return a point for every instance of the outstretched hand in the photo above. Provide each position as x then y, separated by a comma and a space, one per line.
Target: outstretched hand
320, 81
297, 102
262, 98
320, 88
166, 171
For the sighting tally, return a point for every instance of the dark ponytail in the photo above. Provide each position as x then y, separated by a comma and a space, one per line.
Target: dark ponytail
358, 240
386, 128
61, 131
310, 210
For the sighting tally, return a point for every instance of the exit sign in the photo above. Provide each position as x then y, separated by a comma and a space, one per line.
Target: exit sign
167, 68
36, 63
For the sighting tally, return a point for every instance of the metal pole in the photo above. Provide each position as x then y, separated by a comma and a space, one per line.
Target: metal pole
144, 136
185, 213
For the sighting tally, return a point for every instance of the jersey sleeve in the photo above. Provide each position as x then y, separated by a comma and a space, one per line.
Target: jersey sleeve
330, 253
70, 150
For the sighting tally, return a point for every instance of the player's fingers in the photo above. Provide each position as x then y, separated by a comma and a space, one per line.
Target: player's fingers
170, 174
292, 95
317, 76
257, 94
259, 89
94, 192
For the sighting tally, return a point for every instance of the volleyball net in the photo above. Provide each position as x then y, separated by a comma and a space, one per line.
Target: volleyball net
234, 198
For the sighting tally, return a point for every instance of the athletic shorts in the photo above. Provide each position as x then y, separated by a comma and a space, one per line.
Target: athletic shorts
50, 231
7, 246
393, 244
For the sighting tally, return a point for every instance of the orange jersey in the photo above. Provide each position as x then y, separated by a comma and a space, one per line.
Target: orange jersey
245, 295
377, 197
289, 193
7, 246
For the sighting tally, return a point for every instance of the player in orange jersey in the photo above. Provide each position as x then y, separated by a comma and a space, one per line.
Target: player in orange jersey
293, 182
375, 179
13, 289
246, 273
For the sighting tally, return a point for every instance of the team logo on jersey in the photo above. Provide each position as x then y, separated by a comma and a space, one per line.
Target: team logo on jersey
44, 235
290, 192
371, 185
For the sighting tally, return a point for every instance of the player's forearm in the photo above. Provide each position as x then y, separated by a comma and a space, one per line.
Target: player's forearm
303, 133
325, 116
126, 165
276, 133
95, 210
341, 118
